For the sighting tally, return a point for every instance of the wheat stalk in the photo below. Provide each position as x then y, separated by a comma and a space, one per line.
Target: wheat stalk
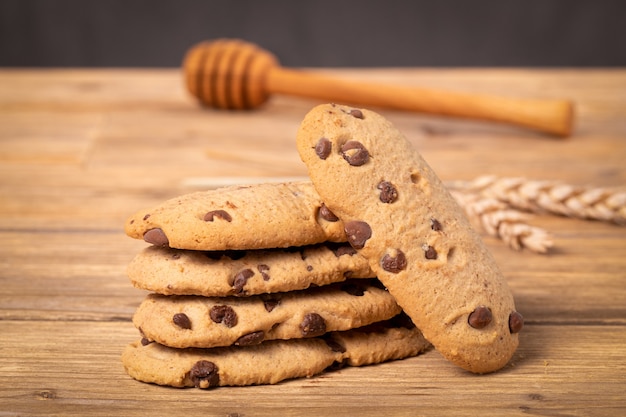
605, 204
496, 219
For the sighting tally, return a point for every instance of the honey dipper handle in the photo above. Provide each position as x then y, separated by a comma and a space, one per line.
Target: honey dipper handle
550, 116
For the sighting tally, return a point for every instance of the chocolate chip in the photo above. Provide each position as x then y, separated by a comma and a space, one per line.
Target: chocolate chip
480, 317
355, 153
353, 289
182, 321
516, 322
388, 193
394, 262
435, 225
204, 374
241, 278
270, 304
313, 325
146, 217
430, 252
145, 341
309, 268
356, 113
264, 269
323, 148
156, 237
334, 345
220, 214
223, 314
358, 233
340, 249
326, 214
344, 250
249, 339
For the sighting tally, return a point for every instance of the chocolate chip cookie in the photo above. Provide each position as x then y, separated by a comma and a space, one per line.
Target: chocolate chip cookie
192, 321
272, 361
260, 216
398, 214
241, 273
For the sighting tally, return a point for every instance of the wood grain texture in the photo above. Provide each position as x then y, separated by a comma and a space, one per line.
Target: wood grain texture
80, 150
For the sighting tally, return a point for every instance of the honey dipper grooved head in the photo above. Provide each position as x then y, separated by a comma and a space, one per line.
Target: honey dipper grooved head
228, 73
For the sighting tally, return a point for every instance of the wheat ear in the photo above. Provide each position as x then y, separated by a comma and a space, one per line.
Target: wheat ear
605, 204
496, 219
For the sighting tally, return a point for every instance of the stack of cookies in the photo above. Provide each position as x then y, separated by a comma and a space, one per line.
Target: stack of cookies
254, 285
258, 284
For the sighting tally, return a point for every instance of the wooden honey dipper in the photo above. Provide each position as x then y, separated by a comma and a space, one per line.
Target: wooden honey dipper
234, 74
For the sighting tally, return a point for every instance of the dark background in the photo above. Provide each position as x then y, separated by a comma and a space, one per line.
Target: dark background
144, 33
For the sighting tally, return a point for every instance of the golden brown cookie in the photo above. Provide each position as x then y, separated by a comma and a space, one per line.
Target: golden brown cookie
241, 273
399, 215
192, 321
272, 361
262, 216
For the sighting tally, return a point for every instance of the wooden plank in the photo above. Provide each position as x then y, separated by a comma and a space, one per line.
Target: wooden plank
76, 370
80, 150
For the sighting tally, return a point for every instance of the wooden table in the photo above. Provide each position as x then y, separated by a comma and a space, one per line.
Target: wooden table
80, 150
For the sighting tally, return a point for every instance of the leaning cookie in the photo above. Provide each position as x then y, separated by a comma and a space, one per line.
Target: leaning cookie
398, 214
191, 321
270, 362
239, 217
241, 273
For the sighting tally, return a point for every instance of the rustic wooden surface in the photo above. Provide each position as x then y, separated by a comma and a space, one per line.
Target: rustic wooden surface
81, 150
